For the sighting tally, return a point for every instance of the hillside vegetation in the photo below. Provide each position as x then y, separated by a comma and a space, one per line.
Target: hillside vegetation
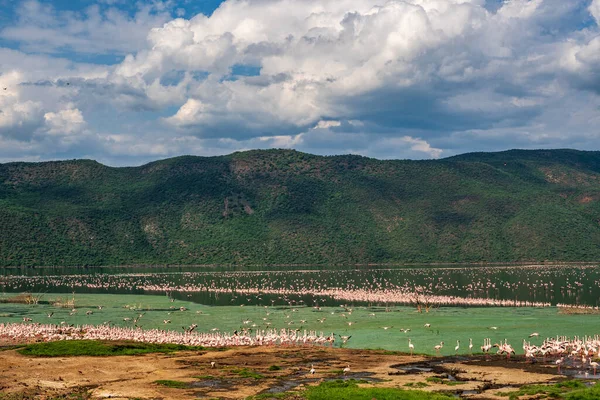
287, 207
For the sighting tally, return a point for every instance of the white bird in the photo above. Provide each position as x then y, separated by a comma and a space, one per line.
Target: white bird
427, 325
534, 334
346, 370
559, 363
411, 346
493, 327
312, 369
470, 346
438, 347
212, 364
457, 347
594, 366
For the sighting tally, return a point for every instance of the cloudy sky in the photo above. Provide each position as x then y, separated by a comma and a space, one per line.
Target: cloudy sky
127, 82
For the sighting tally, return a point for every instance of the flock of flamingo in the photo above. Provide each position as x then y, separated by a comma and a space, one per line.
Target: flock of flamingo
533, 286
482, 287
577, 352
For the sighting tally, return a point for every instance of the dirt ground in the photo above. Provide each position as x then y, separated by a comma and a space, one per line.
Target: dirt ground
242, 372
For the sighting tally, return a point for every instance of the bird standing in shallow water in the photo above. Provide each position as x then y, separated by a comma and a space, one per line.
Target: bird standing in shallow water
411, 346
457, 347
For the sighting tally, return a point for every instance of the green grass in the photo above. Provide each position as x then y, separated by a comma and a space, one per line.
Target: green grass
274, 368
592, 393
96, 348
349, 390
247, 373
173, 384
416, 384
557, 390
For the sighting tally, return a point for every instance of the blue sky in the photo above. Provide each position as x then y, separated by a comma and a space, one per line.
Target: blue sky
127, 82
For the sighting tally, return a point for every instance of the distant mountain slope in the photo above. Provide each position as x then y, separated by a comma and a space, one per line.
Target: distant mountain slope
284, 207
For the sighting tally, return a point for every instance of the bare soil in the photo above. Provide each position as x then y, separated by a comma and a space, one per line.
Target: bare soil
126, 377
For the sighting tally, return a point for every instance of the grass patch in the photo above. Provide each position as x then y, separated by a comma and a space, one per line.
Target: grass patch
442, 381
349, 390
416, 384
204, 377
247, 373
269, 396
558, 390
274, 368
73, 394
96, 348
173, 384
591, 393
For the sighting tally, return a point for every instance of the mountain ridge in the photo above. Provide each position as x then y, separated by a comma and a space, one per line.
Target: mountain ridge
289, 207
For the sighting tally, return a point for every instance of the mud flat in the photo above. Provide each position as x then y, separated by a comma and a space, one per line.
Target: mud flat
249, 371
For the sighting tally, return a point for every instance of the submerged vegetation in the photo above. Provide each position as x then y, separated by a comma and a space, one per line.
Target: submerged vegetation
286, 207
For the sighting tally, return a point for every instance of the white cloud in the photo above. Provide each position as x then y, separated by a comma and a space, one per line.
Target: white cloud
68, 121
384, 78
595, 10
39, 27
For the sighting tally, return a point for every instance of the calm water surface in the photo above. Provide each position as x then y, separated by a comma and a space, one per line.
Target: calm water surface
557, 284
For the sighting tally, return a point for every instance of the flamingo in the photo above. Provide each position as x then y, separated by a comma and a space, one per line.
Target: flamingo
312, 369
346, 370
438, 347
457, 347
594, 366
212, 364
411, 346
470, 346
559, 363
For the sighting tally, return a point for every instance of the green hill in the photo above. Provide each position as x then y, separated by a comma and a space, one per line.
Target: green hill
286, 207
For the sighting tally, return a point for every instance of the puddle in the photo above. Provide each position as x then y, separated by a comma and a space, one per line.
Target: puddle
287, 385
212, 384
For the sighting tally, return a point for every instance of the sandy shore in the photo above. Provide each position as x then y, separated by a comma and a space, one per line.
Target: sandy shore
134, 376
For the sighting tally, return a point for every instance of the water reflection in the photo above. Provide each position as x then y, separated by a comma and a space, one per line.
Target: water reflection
557, 284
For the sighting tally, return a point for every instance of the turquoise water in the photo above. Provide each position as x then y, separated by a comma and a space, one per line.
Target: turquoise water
448, 324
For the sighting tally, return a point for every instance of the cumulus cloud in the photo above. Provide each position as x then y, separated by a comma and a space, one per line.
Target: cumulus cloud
96, 29
595, 10
391, 78
68, 121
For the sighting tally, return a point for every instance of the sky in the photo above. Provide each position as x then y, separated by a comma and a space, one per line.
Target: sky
126, 82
